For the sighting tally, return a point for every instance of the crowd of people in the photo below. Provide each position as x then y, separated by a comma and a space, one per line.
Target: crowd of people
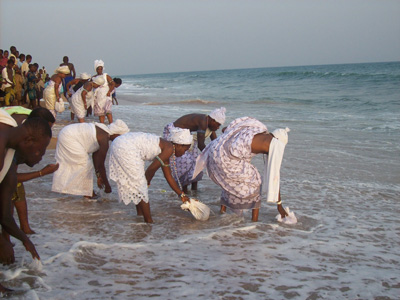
24, 83
181, 152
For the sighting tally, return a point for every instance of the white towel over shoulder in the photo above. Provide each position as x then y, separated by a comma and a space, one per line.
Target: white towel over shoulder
272, 168
5, 118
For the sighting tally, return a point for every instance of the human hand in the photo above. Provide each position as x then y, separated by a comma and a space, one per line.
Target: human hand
31, 248
6, 252
185, 198
108, 189
49, 169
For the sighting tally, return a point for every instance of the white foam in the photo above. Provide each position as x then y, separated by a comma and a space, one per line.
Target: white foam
290, 219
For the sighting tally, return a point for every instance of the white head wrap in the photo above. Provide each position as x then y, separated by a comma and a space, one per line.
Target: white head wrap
218, 115
99, 80
98, 63
281, 134
180, 136
84, 76
63, 70
118, 127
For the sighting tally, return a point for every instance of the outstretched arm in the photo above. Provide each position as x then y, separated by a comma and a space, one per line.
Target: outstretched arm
7, 188
49, 169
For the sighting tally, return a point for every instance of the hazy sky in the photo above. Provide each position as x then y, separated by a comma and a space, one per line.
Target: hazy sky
157, 36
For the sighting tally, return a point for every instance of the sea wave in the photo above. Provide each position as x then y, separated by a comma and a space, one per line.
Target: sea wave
188, 101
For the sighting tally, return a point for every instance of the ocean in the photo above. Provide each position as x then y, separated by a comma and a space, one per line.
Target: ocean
340, 175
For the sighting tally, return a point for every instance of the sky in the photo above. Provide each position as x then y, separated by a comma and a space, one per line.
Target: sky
161, 36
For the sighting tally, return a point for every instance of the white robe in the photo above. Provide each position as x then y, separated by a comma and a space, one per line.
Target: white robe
77, 105
75, 173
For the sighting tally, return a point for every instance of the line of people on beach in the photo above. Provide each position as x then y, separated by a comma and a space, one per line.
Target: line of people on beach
82, 148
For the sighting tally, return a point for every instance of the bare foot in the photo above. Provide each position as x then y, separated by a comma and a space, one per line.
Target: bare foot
94, 196
223, 209
27, 230
4, 290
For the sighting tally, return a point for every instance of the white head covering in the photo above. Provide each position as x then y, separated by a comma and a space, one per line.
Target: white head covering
218, 115
118, 127
84, 76
63, 70
99, 79
180, 136
98, 63
281, 134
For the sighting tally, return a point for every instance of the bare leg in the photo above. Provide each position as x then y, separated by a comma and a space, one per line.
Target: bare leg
254, 214
101, 119
194, 186
22, 211
139, 210
145, 207
109, 118
223, 209
72, 116
281, 210
81, 120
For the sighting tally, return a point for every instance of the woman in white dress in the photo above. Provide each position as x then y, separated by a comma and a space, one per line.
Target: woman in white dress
52, 93
127, 165
74, 145
102, 96
83, 98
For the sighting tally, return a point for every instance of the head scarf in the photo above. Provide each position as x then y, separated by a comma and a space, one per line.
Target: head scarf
98, 80
63, 70
180, 136
218, 115
118, 127
84, 76
98, 63
281, 134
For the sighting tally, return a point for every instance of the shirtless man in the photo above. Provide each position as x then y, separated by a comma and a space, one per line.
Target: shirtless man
203, 126
27, 144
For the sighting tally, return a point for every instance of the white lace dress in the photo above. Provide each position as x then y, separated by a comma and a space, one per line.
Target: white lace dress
75, 173
128, 154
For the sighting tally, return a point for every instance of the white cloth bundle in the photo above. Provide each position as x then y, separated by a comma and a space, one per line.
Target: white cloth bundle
59, 106
290, 219
198, 209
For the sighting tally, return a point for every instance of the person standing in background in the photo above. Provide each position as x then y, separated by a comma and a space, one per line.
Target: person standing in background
71, 76
102, 97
